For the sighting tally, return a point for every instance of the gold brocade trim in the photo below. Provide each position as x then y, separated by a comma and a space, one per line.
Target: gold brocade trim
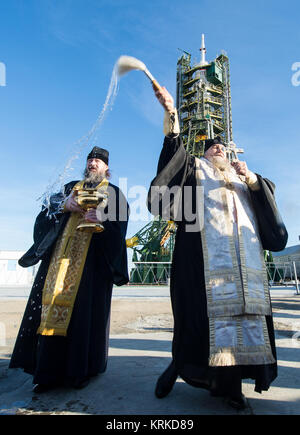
239, 353
254, 305
64, 276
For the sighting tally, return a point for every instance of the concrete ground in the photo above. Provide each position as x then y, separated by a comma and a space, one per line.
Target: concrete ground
140, 349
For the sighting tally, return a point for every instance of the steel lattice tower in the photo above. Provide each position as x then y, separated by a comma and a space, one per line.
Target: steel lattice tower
203, 101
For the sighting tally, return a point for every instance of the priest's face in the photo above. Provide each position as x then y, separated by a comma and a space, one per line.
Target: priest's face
217, 150
96, 166
217, 156
95, 170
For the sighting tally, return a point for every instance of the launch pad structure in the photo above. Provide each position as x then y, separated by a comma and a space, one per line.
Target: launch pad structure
203, 101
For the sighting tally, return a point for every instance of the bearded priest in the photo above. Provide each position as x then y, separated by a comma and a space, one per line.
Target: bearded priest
63, 338
226, 215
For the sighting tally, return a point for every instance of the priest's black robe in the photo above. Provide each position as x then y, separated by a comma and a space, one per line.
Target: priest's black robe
190, 347
84, 351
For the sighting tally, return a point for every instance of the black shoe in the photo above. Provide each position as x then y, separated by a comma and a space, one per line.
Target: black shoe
238, 403
166, 381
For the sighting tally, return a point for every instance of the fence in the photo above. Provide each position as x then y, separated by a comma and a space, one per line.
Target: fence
12, 275
151, 273
285, 273
158, 273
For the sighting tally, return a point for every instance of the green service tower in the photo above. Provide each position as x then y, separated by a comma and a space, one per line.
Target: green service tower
203, 102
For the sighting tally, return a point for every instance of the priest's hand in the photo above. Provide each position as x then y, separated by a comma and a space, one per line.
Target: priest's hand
241, 168
71, 204
165, 99
91, 216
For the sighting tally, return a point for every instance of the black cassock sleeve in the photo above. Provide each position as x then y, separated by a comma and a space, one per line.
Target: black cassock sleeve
47, 229
114, 236
272, 230
174, 168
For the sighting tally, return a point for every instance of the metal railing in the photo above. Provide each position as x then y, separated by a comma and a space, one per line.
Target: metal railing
158, 273
285, 273
18, 277
150, 273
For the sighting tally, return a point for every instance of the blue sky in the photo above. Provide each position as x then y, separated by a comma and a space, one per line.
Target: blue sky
59, 56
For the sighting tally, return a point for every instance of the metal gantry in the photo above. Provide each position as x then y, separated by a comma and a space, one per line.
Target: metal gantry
152, 250
203, 101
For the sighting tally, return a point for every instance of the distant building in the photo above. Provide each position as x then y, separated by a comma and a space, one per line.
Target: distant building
292, 253
11, 274
288, 255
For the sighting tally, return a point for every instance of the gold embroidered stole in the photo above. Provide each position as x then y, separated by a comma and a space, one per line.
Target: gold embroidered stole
64, 275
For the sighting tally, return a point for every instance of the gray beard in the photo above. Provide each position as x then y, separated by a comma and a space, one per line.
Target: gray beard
222, 164
93, 177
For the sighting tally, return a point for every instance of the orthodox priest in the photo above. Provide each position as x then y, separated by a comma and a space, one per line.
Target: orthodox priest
63, 338
226, 216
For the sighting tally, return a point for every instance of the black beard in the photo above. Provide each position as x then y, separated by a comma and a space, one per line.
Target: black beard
92, 177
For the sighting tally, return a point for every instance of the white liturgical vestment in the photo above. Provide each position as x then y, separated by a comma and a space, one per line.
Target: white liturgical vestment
235, 273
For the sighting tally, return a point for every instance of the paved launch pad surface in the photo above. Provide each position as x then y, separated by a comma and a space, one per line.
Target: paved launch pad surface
140, 349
